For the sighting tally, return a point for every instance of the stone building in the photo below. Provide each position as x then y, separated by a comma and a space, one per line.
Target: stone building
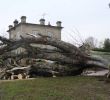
22, 28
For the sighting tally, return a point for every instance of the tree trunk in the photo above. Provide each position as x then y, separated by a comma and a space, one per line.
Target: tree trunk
65, 53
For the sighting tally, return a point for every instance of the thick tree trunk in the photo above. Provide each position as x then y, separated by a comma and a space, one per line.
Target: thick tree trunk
65, 53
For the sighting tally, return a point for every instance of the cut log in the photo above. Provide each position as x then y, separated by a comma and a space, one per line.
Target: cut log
20, 76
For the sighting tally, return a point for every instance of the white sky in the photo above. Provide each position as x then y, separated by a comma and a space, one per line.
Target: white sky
89, 17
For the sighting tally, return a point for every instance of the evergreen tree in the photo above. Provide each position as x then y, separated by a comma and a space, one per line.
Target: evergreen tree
107, 44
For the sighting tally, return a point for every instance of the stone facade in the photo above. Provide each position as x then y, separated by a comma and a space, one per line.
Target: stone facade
22, 28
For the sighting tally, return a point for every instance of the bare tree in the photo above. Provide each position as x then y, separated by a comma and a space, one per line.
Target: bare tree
66, 54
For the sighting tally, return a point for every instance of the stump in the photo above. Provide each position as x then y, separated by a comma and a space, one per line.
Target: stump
20, 76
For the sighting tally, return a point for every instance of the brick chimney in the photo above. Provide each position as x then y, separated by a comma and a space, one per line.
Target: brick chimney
15, 22
23, 19
58, 23
42, 21
10, 26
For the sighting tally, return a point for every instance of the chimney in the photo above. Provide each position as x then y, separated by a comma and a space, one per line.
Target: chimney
10, 26
42, 21
23, 19
15, 22
58, 23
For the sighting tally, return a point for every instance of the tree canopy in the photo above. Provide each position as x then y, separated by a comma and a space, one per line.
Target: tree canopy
107, 44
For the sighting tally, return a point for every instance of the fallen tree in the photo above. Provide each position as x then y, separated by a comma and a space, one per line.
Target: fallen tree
65, 54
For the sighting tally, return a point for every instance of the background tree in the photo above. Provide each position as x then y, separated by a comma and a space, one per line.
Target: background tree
88, 44
91, 41
107, 44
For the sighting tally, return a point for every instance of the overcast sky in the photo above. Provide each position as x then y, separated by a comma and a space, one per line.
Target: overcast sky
80, 18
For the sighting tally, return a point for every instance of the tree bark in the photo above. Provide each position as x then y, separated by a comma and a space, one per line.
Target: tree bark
65, 53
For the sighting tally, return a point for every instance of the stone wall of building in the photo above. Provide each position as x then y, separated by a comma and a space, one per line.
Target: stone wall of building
22, 28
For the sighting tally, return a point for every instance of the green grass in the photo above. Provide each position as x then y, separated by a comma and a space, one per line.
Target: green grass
60, 88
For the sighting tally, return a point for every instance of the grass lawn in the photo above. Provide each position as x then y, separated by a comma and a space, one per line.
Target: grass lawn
60, 88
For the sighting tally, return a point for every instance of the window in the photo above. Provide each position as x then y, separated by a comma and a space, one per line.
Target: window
50, 34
